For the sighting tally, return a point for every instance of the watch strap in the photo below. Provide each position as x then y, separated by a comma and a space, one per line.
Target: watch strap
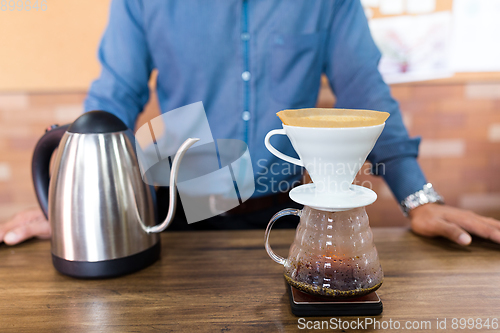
424, 196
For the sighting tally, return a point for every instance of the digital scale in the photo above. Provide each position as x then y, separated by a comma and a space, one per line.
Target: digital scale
305, 305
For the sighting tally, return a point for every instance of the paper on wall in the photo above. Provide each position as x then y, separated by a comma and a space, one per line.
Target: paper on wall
370, 3
413, 48
392, 7
475, 42
420, 6
368, 13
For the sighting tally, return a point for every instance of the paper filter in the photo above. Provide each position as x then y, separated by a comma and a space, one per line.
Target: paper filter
332, 118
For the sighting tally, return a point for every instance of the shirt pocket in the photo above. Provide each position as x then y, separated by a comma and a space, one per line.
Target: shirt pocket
296, 66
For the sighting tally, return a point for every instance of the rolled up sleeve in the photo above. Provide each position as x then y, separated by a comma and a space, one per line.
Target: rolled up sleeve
352, 70
122, 87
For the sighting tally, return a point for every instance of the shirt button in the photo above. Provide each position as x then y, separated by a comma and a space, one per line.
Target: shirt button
245, 36
245, 76
245, 115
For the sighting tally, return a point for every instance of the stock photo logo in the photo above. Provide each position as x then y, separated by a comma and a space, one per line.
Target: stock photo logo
214, 177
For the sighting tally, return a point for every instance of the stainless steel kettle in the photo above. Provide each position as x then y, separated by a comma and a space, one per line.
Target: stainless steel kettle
102, 213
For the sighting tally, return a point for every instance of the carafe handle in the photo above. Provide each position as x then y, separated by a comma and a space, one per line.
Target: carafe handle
281, 213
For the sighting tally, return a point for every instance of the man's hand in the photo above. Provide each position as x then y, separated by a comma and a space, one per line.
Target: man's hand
453, 223
25, 225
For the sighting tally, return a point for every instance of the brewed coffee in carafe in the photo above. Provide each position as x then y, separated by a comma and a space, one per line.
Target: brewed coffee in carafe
333, 253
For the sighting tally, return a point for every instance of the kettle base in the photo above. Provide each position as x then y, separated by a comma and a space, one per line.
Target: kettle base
107, 268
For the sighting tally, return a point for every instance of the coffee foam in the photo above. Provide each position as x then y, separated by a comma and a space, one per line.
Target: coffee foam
332, 118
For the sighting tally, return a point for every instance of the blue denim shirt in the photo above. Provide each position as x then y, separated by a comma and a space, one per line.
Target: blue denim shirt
246, 60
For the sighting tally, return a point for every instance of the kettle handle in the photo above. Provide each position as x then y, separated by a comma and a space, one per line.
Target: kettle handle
40, 163
281, 213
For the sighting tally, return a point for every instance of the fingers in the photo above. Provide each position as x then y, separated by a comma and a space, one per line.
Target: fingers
37, 228
492, 222
428, 220
18, 220
25, 225
438, 227
452, 231
453, 223
481, 226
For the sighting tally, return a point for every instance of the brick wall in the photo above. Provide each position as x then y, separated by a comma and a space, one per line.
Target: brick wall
460, 150
459, 124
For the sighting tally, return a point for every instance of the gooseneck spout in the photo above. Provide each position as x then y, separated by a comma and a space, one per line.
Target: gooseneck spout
173, 189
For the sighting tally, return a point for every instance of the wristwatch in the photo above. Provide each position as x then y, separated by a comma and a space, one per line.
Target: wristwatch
426, 195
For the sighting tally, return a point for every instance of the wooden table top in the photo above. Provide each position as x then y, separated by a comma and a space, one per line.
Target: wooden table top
223, 281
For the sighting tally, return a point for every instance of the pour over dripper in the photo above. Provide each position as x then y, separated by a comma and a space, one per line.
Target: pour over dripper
332, 157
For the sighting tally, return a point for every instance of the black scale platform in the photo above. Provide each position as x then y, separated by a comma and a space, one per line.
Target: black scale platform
304, 305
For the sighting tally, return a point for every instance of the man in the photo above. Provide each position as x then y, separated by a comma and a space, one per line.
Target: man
246, 60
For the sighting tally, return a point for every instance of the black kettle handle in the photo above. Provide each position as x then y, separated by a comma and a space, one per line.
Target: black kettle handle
40, 164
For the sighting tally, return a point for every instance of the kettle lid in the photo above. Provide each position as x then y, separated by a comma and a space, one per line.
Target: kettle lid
94, 122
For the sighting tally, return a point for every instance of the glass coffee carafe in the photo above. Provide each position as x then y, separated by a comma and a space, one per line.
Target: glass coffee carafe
332, 255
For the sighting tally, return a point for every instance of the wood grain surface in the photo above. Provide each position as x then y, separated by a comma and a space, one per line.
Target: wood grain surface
223, 281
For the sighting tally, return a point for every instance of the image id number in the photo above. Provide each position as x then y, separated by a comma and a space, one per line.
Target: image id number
471, 323
23, 5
